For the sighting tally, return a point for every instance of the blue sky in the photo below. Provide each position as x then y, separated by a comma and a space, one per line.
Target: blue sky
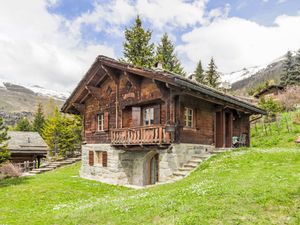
60, 38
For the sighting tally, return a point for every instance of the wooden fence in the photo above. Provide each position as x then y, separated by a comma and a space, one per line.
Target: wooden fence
26, 166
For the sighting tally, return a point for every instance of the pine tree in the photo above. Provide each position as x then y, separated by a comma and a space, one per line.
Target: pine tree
39, 119
165, 53
137, 47
23, 125
295, 71
4, 151
199, 73
212, 76
287, 71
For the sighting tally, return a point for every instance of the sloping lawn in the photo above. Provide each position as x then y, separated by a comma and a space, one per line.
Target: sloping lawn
248, 186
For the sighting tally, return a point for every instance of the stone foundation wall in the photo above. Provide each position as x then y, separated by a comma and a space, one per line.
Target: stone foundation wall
129, 168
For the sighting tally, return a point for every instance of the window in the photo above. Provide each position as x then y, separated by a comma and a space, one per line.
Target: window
188, 117
149, 116
101, 122
101, 158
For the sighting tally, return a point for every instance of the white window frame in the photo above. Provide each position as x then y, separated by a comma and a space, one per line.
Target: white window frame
148, 116
188, 117
100, 122
98, 158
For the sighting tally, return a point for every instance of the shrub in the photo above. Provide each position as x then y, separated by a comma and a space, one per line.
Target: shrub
271, 106
9, 170
290, 99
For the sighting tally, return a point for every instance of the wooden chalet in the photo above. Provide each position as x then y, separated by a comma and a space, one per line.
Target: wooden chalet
270, 91
26, 147
132, 113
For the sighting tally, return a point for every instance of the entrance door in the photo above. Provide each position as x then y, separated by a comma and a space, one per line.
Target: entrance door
154, 169
228, 130
219, 130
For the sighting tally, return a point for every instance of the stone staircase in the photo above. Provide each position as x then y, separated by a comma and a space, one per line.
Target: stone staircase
194, 162
53, 165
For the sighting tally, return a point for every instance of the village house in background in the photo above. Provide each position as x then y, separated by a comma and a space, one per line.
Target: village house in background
142, 125
270, 91
27, 147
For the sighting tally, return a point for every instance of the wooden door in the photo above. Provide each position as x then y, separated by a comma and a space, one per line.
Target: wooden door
136, 116
219, 131
228, 130
154, 169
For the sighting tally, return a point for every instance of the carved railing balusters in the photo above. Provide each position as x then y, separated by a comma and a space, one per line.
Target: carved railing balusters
145, 135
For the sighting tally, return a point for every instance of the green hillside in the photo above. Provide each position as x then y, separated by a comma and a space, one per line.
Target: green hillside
246, 186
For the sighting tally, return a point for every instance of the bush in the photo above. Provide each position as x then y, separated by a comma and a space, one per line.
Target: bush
290, 99
271, 106
9, 170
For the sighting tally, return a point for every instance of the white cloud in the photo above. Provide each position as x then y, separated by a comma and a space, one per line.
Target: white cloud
161, 15
174, 13
236, 43
36, 49
105, 17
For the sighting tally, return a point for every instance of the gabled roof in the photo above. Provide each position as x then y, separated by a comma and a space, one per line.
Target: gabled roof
263, 91
26, 142
159, 75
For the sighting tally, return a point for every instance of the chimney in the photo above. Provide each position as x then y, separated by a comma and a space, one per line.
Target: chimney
158, 66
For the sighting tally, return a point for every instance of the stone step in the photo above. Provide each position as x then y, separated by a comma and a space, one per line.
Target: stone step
218, 151
187, 169
202, 156
34, 172
192, 166
196, 161
179, 174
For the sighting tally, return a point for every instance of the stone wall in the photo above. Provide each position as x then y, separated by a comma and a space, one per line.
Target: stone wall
130, 167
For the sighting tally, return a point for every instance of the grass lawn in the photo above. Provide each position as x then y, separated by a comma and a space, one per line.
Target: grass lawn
248, 186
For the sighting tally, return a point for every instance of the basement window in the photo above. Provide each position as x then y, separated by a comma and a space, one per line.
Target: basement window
101, 158
188, 117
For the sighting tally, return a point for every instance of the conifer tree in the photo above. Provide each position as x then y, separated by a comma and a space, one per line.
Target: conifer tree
137, 47
212, 76
4, 152
199, 73
288, 66
23, 125
295, 71
39, 119
165, 53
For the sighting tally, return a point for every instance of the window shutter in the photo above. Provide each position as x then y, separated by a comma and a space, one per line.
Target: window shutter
156, 114
104, 159
91, 158
106, 121
136, 116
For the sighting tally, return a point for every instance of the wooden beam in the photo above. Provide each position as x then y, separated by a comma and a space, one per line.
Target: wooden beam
162, 88
79, 107
96, 92
133, 80
110, 73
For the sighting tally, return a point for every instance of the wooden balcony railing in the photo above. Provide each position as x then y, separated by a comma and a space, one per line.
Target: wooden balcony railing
146, 135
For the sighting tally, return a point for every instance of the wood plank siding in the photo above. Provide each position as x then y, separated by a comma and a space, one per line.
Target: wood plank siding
125, 105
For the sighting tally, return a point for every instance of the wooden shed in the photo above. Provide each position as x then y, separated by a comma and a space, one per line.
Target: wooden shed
26, 146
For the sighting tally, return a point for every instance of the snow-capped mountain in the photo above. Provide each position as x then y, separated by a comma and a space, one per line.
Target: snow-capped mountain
251, 76
33, 89
241, 74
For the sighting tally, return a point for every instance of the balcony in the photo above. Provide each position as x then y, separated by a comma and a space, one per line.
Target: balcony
145, 135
